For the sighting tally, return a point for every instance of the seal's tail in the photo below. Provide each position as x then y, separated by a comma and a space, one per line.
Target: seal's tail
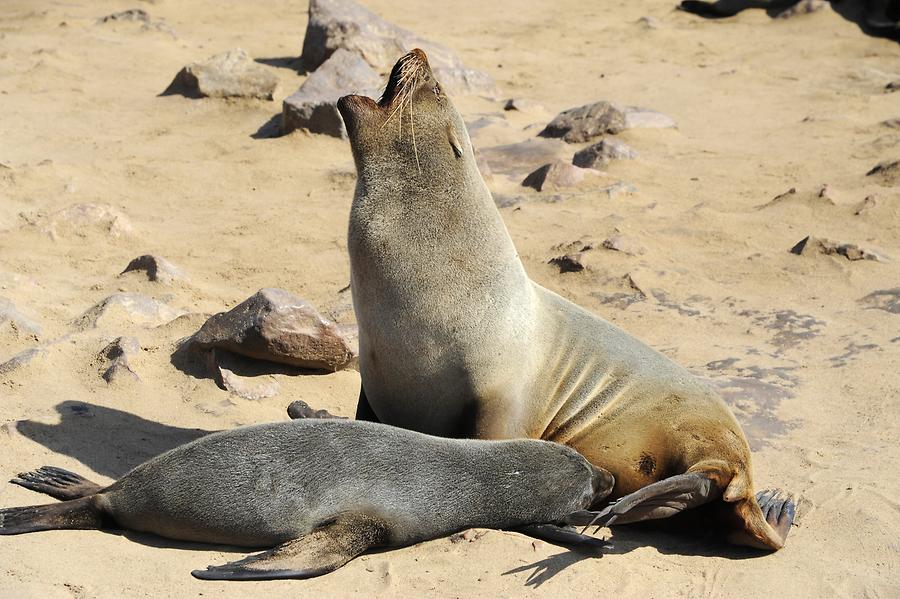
77, 513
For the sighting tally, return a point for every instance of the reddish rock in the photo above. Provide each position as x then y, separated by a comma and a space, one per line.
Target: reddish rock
558, 175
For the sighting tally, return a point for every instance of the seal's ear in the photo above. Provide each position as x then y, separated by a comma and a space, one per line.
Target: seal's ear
454, 141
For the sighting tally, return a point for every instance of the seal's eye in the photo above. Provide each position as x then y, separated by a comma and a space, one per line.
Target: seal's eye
454, 141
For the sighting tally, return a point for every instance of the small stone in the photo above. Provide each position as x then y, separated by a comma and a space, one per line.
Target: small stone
814, 245
314, 105
137, 15
648, 22
622, 187
642, 118
156, 268
115, 357
135, 308
558, 175
868, 203
584, 123
344, 24
21, 323
81, 220
891, 123
892, 86
225, 367
231, 74
569, 262
20, 359
522, 105
301, 409
886, 173
827, 192
602, 153
618, 243
276, 326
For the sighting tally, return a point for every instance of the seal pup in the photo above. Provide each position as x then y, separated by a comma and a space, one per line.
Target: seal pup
456, 340
321, 492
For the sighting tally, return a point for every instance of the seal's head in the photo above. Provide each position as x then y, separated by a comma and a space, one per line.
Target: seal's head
414, 127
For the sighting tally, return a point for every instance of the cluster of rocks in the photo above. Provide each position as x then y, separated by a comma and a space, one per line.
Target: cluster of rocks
810, 246
349, 49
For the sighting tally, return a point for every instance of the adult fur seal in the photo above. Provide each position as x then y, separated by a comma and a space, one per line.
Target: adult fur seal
323, 491
456, 340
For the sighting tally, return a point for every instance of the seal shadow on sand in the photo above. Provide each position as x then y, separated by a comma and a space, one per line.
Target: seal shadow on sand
691, 533
108, 441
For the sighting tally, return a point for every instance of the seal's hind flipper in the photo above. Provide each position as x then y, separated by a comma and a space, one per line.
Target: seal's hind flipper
78, 513
658, 500
766, 518
300, 409
57, 483
323, 550
561, 535
778, 509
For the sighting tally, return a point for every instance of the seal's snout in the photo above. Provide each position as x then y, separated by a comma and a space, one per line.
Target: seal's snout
411, 69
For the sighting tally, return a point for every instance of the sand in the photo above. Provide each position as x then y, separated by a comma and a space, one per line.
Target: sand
762, 106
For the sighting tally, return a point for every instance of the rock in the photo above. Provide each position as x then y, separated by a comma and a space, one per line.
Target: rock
602, 153
335, 24
517, 159
277, 326
618, 243
865, 206
115, 357
584, 123
648, 22
314, 105
20, 359
21, 323
558, 175
137, 15
156, 268
619, 188
231, 74
884, 299
135, 308
891, 123
483, 166
80, 220
641, 118
573, 259
301, 409
886, 173
814, 245
224, 365
892, 86
804, 7
522, 105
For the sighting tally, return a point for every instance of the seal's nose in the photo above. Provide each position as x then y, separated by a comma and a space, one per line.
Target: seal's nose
602, 483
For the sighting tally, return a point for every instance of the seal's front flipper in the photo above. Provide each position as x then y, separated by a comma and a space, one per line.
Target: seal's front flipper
561, 535
659, 500
78, 513
301, 409
323, 550
57, 483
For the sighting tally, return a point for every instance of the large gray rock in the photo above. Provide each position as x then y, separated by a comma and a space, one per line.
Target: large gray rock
602, 153
314, 105
584, 123
277, 326
335, 24
231, 74
558, 175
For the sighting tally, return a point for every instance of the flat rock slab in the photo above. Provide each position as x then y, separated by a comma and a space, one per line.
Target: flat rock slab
241, 375
815, 245
335, 24
886, 173
558, 175
87, 220
156, 268
231, 74
602, 153
9, 313
584, 123
314, 105
130, 308
20, 359
276, 326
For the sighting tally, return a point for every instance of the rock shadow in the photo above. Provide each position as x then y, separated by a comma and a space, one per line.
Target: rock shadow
271, 129
292, 63
108, 441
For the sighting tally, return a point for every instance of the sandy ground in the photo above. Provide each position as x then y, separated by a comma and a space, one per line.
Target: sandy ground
762, 106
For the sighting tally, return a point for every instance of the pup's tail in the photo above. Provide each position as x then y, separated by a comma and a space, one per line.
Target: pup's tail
78, 513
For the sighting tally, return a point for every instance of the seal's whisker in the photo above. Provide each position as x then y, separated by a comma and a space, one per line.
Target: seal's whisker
412, 126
